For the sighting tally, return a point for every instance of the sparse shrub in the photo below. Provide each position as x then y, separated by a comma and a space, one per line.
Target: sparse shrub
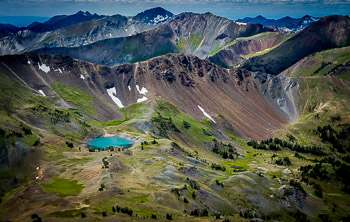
154, 216
186, 124
204, 213
176, 191
70, 145
104, 214
36, 218
101, 188
185, 200
37, 142
219, 183
194, 195
26, 131
318, 190
83, 215
287, 192
194, 185
217, 215
195, 212
126, 210
169, 216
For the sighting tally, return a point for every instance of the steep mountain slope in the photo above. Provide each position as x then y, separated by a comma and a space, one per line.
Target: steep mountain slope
252, 103
332, 62
188, 33
329, 32
243, 48
61, 21
285, 24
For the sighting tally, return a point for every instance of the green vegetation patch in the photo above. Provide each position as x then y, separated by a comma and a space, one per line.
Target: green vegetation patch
67, 213
75, 161
76, 96
195, 40
141, 199
63, 187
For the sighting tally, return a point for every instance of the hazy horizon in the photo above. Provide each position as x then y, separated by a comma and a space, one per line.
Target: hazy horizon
230, 9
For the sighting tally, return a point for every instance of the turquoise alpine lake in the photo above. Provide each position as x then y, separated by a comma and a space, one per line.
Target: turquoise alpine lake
102, 143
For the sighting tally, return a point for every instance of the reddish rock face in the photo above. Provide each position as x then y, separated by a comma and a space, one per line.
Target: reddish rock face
246, 100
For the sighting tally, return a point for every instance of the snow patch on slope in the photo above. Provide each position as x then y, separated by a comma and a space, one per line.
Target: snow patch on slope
206, 114
112, 92
241, 23
142, 99
44, 68
129, 88
42, 92
82, 77
143, 91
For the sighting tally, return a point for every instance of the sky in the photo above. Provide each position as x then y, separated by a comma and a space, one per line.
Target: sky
232, 9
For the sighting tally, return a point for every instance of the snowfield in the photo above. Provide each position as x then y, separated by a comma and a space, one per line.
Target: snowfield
44, 68
142, 99
143, 91
206, 114
42, 92
112, 92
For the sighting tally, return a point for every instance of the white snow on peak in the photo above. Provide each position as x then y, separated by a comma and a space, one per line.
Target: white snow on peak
206, 114
82, 77
129, 88
112, 92
159, 19
42, 92
241, 23
144, 98
143, 91
44, 68
28, 62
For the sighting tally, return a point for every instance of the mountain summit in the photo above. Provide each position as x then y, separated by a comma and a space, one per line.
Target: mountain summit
154, 15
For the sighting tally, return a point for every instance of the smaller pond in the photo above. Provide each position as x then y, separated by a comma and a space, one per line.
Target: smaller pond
102, 143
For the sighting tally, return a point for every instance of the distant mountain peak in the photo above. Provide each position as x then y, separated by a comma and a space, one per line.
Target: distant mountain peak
260, 17
86, 13
154, 15
286, 24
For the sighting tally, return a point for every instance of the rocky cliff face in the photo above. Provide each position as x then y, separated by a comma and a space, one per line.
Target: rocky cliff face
254, 104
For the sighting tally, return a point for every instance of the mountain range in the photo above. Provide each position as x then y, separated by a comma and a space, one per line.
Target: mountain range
228, 120
285, 24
